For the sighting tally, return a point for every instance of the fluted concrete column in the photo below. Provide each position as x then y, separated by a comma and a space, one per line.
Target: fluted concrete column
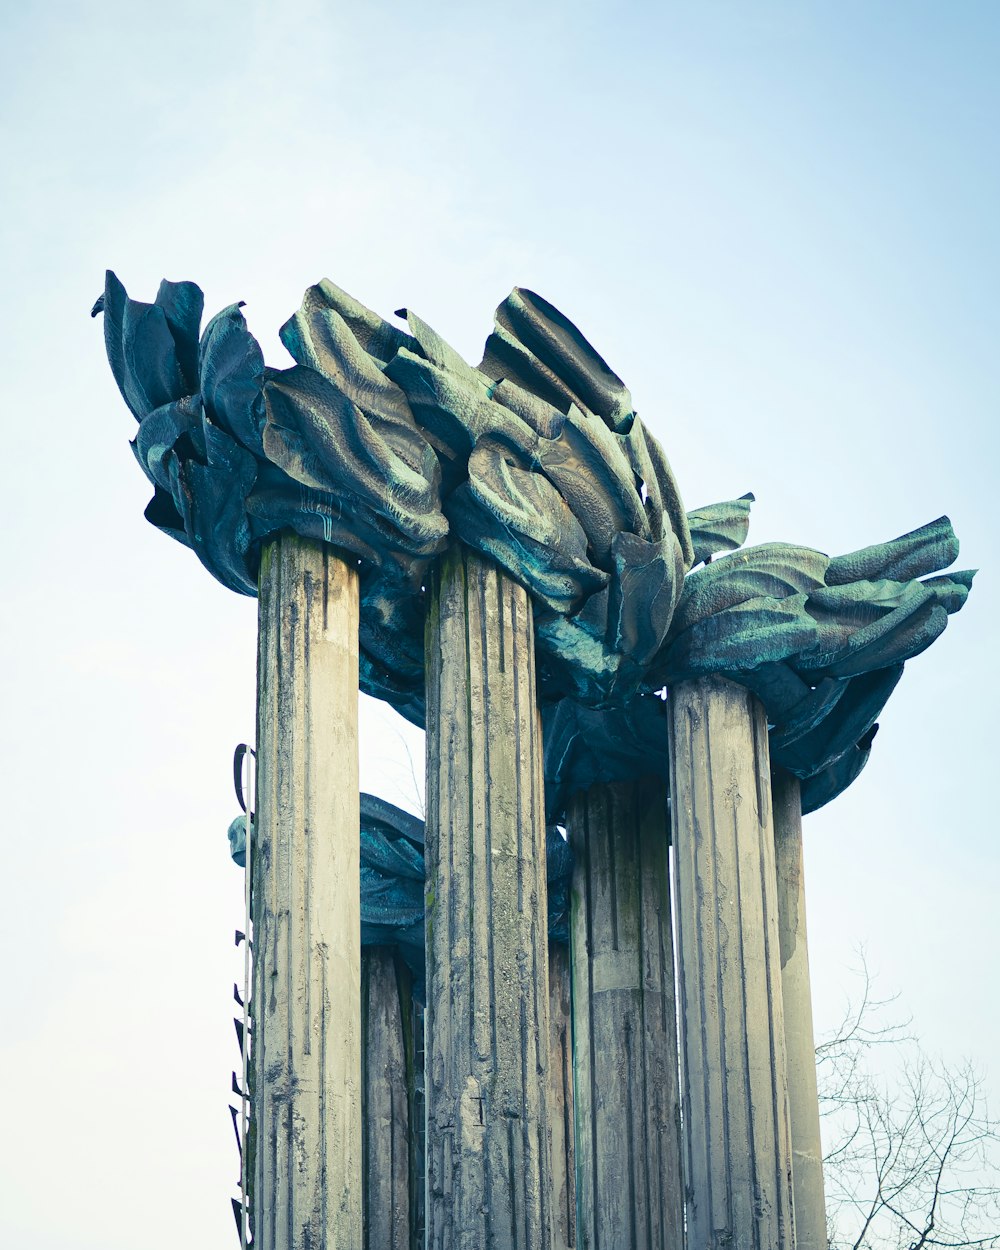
387, 1065
561, 1114
737, 1149
803, 1101
306, 903
624, 1025
487, 1025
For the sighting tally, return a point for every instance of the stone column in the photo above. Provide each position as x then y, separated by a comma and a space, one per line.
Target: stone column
803, 1102
561, 1115
737, 1149
487, 1020
624, 1023
306, 903
387, 1064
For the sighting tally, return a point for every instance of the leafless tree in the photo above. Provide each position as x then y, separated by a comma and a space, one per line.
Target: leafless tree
914, 1158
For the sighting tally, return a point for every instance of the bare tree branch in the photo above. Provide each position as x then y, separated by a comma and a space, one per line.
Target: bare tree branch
914, 1159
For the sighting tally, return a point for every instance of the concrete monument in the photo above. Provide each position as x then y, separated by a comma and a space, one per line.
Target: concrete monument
502, 554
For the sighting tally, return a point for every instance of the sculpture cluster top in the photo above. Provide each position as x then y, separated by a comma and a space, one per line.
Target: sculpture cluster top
386, 443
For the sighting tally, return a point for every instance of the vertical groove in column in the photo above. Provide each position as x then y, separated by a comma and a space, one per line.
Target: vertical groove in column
624, 1023
386, 993
306, 912
487, 1025
803, 1102
561, 1123
735, 1092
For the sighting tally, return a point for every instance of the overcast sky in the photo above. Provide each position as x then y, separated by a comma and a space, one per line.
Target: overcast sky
778, 222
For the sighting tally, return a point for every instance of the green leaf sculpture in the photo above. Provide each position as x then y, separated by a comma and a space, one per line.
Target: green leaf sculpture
384, 442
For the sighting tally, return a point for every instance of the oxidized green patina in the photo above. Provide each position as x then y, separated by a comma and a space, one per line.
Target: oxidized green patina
385, 443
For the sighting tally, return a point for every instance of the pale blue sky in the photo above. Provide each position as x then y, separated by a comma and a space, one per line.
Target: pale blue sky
777, 222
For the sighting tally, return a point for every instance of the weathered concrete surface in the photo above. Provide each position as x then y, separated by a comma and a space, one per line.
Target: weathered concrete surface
487, 1021
306, 909
624, 1023
387, 1069
737, 1147
800, 1046
561, 1127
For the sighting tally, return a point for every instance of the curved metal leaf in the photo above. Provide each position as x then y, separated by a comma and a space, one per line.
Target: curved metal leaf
719, 527
231, 376
921, 551
141, 351
183, 304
